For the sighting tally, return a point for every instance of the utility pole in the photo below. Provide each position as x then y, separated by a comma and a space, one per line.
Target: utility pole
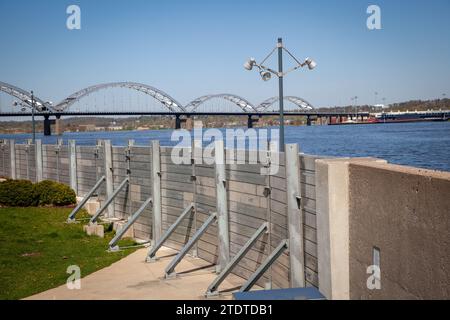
280, 91
32, 117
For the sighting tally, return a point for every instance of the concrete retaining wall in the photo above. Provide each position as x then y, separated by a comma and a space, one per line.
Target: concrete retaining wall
374, 216
405, 213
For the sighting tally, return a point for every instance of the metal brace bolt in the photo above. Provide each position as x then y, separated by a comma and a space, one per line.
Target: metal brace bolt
267, 191
299, 201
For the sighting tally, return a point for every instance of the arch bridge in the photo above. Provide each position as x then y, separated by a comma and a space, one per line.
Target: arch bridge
201, 106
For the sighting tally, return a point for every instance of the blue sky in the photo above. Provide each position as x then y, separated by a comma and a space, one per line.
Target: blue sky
191, 48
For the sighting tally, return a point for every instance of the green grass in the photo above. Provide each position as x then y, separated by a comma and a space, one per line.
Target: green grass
37, 246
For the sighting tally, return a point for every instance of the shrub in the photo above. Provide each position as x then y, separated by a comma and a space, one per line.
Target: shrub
54, 193
17, 193
22, 193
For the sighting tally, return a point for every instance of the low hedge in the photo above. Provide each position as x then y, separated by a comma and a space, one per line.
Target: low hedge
54, 193
17, 193
23, 193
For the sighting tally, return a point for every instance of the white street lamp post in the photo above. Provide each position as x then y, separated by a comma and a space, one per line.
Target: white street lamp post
266, 74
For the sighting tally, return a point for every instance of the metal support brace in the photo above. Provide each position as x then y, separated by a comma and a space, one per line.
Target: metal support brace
265, 265
156, 192
212, 289
109, 200
152, 252
294, 217
71, 217
222, 207
12, 152
107, 154
59, 144
113, 243
27, 157
38, 155
170, 270
73, 165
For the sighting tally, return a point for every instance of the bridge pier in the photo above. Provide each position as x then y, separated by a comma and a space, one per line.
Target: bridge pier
178, 121
58, 125
308, 120
189, 123
47, 126
250, 121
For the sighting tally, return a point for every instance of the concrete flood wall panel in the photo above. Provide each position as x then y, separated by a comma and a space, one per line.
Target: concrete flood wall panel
205, 200
25, 162
130, 199
90, 168
278, 225
141, 190
177, 192
55, 163
308, 193
248, 210
404, 212
122, 205
278, 218
5, 160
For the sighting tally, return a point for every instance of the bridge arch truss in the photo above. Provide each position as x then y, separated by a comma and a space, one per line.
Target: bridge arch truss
242, 103
22, 95
166, 100
299, 102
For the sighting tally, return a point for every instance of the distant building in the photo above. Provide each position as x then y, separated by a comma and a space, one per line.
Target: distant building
87, 127
115, 128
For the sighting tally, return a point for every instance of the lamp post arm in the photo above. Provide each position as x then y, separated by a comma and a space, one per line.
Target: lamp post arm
293, 57
261, 67
301, 65
267, 57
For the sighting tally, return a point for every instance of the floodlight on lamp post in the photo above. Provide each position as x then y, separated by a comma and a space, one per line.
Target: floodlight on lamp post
31, 104
266, 74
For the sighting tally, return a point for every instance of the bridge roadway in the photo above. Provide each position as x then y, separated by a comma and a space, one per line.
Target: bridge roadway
180, 117
187, 114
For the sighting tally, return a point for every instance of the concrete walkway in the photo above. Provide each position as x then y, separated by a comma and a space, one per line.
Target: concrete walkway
132, 278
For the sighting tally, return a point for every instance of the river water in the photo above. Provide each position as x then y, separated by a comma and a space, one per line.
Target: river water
420, 144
